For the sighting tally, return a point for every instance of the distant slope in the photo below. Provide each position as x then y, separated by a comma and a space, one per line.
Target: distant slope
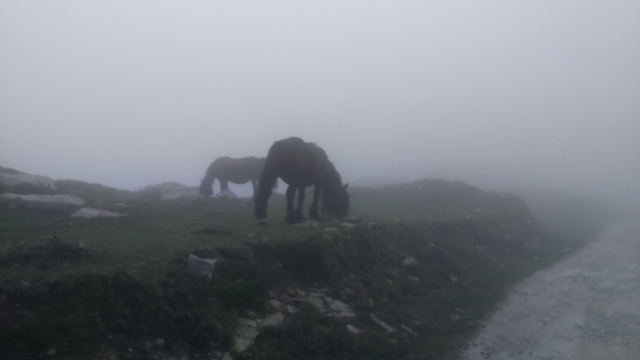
436, 199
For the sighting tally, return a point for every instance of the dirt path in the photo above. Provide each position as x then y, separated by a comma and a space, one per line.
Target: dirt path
587, 307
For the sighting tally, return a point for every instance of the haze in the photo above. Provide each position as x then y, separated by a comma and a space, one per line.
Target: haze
493, 93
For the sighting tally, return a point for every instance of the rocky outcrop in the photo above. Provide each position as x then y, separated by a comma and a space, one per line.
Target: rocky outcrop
249, 329
15, 178
45, 202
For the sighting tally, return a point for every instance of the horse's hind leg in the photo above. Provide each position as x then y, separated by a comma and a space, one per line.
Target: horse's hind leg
313, 210
291, 194
299, 214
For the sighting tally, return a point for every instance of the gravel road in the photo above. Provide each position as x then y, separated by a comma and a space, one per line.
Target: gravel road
586, 307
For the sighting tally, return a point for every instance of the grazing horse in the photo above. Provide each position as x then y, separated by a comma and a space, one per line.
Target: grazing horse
301, 164
237, 171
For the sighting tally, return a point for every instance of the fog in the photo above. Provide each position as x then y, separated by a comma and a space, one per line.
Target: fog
499, 94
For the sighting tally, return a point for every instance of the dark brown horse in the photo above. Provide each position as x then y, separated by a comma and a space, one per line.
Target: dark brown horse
301, 164
237, 171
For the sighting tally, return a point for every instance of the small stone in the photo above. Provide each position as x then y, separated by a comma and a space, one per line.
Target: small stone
340, 309
352, 329
308, 223
410, 261
383, 324
52, 352
244, 338
160, 341
273, 320
407, 329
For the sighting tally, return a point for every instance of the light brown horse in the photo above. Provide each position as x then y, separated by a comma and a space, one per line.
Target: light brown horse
237, 171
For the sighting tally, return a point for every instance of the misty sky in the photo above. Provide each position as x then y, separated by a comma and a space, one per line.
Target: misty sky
132, 93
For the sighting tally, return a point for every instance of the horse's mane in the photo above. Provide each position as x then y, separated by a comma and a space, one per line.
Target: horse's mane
333, 179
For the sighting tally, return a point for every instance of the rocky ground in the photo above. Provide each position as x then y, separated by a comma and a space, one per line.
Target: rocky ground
587, 307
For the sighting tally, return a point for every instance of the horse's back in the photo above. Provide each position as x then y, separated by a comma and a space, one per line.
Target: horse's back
238, 170
295, 161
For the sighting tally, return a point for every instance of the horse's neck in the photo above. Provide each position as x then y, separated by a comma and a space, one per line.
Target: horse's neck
332, 177
210, 176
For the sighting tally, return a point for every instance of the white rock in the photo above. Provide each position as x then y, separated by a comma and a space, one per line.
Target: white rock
340, 309
201, 266
352, 329
410, 261
407, 329
273, 320
308, 223
384, 325
92, 213
228, 194
317, 302
244, 337
188, 193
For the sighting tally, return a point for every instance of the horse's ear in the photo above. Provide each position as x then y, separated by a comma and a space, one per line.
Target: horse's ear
346, 186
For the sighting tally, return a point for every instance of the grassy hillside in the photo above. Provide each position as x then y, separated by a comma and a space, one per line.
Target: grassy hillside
120, 288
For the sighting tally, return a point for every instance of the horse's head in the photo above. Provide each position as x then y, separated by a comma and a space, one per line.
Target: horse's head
335, 200
206, 189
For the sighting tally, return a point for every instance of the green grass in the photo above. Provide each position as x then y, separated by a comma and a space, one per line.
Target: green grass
87, 287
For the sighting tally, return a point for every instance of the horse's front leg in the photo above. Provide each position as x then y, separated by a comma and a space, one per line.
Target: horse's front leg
291, 214
313, 210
